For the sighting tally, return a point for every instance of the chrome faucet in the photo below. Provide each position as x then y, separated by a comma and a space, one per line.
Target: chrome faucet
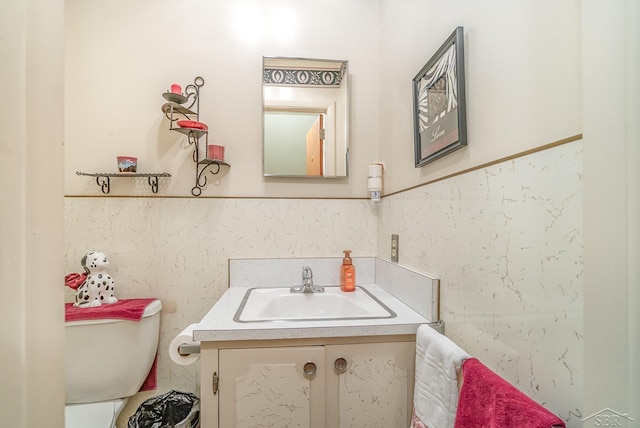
307, 283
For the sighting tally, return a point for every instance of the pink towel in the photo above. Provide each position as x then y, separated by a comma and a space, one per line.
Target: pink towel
151, 382
124, 309
487, 400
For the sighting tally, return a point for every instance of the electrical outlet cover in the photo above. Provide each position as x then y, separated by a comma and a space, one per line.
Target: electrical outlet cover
395, 250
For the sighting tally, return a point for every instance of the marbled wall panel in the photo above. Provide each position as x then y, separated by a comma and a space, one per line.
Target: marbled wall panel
177, 249
506, 243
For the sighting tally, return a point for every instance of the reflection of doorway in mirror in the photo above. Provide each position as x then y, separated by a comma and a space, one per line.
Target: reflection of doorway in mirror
315, 150
285, 138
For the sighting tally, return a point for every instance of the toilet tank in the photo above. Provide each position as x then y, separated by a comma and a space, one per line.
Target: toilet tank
109, 358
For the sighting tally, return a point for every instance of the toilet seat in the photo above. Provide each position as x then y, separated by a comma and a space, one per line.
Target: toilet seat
102, 414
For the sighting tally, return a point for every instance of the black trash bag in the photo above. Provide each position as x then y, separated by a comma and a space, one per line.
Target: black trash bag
174, 409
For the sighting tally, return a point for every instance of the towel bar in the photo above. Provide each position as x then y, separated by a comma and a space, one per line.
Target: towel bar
437, 326
189, 348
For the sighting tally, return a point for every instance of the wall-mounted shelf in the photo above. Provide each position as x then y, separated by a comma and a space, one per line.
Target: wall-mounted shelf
202, 166
188, 107
103, 179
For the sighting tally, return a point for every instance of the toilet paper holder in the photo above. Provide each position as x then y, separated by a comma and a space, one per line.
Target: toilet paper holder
188, 349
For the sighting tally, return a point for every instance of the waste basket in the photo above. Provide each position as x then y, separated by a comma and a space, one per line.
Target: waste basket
174, 409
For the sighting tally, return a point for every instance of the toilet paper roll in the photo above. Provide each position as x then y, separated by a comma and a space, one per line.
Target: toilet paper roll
185, 336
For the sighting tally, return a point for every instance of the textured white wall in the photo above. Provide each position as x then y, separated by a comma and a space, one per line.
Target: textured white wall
31, 241
611, 39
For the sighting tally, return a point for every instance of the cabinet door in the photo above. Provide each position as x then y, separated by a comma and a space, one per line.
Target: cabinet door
268, 387
375, 387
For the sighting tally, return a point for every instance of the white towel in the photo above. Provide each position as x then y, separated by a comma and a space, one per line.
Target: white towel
435, 397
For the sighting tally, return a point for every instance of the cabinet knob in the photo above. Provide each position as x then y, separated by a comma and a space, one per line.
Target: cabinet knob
310, 368
340, 364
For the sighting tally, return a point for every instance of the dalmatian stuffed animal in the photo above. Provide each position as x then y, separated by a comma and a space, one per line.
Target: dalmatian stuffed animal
98, 288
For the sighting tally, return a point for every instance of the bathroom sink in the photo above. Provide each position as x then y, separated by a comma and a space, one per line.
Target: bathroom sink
279, 304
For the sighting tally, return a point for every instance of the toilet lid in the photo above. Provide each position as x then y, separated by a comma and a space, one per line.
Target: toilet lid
90, 415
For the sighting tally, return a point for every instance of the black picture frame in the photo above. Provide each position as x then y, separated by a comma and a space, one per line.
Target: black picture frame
439, 108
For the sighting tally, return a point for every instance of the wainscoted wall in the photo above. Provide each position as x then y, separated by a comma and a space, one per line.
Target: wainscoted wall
505, 240
506, 243
177, 249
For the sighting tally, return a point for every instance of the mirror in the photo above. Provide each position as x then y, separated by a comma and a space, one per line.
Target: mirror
305, 117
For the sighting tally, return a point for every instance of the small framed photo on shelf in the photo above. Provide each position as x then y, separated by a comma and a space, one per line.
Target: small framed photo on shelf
439, 110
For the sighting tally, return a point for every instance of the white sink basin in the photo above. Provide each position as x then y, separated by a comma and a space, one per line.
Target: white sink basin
279, 304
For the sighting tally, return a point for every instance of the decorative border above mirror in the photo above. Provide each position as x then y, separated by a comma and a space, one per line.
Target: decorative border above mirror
300, 71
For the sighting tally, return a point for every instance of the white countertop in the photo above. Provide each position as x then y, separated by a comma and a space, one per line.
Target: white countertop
218, 323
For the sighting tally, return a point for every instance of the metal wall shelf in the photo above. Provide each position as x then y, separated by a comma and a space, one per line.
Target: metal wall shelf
172, 110
103, 179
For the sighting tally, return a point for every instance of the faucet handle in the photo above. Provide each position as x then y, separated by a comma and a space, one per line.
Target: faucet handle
307, 283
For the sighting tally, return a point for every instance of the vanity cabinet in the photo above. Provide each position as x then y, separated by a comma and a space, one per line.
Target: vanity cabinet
376, 388
268, 387
311, 383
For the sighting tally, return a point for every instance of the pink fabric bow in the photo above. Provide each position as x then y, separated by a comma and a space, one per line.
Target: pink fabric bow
74, 280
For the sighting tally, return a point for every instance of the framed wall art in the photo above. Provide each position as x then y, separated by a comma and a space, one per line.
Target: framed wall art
439, 111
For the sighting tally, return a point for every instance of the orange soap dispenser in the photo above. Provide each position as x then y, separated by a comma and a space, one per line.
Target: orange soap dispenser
347, 273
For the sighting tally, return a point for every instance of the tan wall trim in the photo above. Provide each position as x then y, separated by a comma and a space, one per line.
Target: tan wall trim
455, 174
494, 162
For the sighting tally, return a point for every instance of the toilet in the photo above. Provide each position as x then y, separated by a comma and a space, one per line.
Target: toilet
106, 362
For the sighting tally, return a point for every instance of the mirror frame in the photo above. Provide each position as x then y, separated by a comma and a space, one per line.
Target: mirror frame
309, 75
